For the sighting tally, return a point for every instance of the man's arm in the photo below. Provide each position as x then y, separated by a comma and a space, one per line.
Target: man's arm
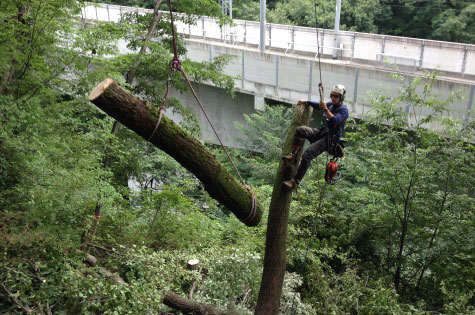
316, 105
339, 117
324, 107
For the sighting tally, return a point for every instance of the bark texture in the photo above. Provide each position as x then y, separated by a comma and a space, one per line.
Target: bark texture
270, 291
186, 306
140, 117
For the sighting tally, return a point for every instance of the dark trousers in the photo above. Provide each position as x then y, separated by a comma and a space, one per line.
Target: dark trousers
319, 144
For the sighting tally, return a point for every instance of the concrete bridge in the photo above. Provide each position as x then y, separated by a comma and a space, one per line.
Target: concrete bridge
289, 69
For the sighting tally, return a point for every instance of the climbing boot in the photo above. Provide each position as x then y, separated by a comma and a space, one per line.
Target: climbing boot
289, 158
297, 147
291, 184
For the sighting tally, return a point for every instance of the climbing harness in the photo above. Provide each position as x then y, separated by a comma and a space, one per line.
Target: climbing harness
175, 65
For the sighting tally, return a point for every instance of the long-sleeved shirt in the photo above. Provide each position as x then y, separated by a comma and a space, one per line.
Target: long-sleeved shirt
336, 124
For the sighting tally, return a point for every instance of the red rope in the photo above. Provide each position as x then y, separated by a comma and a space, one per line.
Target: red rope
173, 29
252, 213
175, 65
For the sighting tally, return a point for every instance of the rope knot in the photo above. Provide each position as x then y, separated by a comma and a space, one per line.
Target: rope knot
175, 64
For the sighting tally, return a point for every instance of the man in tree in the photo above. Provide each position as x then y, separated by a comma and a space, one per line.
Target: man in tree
323, 139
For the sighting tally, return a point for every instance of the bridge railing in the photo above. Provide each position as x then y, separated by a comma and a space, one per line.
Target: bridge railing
454, 59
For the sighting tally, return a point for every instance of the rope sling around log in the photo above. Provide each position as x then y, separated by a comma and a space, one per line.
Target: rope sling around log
175, 65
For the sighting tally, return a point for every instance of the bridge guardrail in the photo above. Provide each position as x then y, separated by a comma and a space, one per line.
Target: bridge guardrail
455, 59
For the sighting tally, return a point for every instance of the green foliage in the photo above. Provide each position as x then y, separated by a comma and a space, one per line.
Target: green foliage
246, 10
456, 24
151, 65
404, 206
264, 133
291, 302
439, 20
57, 175
44, 49
232, 281
422, 177
355, 15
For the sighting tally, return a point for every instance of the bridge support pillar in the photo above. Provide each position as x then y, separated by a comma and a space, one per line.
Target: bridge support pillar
259, 103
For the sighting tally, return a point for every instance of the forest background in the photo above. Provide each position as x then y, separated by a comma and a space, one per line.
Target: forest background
395, 235
446, 20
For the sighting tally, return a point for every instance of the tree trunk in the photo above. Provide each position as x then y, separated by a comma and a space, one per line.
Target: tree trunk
404, 227
432, 239
186, 306
140, 117
275, 260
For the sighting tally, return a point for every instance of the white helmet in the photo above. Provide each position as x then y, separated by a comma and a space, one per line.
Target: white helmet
339, 89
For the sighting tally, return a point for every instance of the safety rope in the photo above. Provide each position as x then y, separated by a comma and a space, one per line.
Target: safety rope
175, 65
248, 188
320, 90
320, 190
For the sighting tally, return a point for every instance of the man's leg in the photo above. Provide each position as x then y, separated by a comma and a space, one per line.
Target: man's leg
312, 152
301, 133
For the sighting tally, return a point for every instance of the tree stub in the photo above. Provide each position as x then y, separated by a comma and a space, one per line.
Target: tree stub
193, 264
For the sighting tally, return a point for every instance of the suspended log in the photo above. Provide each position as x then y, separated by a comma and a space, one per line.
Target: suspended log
186, 306
140, 117
270, 292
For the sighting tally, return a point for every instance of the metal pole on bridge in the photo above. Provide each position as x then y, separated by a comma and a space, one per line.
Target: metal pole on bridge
337, 28
262, 42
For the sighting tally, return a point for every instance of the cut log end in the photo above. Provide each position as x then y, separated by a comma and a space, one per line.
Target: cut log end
100, 88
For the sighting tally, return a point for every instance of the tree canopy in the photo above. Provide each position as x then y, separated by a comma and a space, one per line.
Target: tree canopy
447, 20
